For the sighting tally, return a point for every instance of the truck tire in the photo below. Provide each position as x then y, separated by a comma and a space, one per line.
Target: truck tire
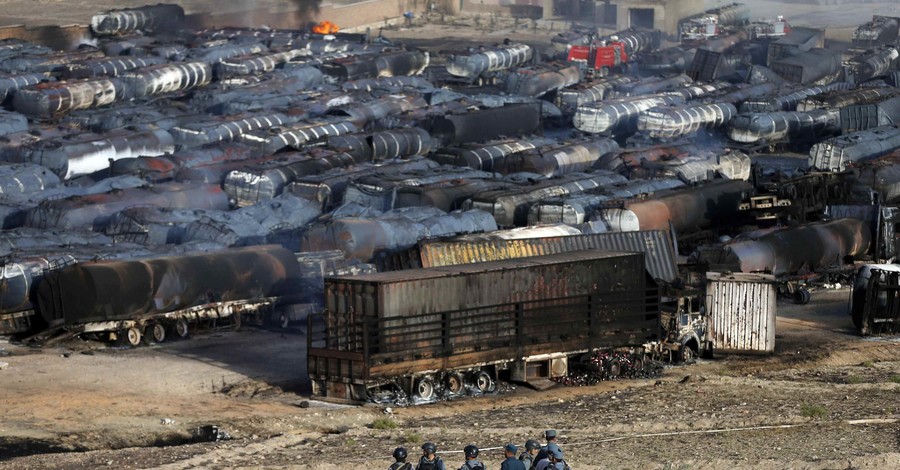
132, 336
483, 382
613, 369
424, 389
801, 296
454, 383
638, 364
181, 328
157, 333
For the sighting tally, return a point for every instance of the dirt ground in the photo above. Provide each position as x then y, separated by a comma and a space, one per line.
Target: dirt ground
827, 399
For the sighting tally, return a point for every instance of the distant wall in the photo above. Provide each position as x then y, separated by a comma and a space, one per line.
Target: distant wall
346, 14
56, 37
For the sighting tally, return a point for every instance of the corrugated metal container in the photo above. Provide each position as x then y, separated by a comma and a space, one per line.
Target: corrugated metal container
656, 244
742, 312
798, 40
867, 116
808, 67
403, 299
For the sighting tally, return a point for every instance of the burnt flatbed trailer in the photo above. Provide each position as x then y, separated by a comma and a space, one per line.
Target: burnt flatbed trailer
425, 333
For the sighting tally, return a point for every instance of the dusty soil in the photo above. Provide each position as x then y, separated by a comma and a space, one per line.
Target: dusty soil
827, 399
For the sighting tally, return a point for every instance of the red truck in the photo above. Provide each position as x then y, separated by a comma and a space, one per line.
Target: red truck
600, 57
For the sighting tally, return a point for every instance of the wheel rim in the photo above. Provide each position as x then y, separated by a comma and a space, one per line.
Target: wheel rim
454, 384
483, 382
283, 320
424, 389
159, 333
181, 327
133, 336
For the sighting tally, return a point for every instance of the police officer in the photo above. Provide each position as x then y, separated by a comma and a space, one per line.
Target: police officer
557, 461
429, 459
532, 447
547, 461
509, 450
550, 436
401, 463
472, 462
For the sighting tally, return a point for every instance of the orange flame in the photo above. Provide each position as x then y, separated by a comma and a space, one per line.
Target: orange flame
325, 27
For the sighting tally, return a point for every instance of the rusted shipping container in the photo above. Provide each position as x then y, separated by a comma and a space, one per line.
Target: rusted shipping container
393, 327
655, 244
742, 310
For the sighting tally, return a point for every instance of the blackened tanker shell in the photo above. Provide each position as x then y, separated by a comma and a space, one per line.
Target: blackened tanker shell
488, 124
805, 248
122, 290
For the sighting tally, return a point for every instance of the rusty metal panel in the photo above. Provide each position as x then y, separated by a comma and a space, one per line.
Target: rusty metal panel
656, 244
742, 312
451, 309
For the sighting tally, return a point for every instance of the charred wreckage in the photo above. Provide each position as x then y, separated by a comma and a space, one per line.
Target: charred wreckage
513, 212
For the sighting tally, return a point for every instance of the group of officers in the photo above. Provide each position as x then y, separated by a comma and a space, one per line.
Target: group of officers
535, 457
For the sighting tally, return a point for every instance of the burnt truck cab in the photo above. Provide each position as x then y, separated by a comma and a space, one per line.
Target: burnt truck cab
684, 327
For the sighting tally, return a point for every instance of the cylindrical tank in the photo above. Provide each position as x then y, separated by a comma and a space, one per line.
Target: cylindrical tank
123, 290
691, 209
785, 125
681, 120
807, 248
500, 58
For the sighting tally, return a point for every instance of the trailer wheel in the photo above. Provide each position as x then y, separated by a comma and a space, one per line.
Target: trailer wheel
157, 333
454, 383
483, 382
181, 328
133, 336
424, 389
801, 296
638, 364
614, 369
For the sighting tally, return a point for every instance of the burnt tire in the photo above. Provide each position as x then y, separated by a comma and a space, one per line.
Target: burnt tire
156, 332
687, 355
483, 382
801, 296
181, 328
454, 383
614, 369
424, 389
638, 364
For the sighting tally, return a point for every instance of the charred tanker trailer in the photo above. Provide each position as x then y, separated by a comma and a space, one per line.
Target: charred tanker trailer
500, 58
423, 334
152, 296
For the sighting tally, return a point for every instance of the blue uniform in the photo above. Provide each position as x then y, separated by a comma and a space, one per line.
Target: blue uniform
511, 463
471, 464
